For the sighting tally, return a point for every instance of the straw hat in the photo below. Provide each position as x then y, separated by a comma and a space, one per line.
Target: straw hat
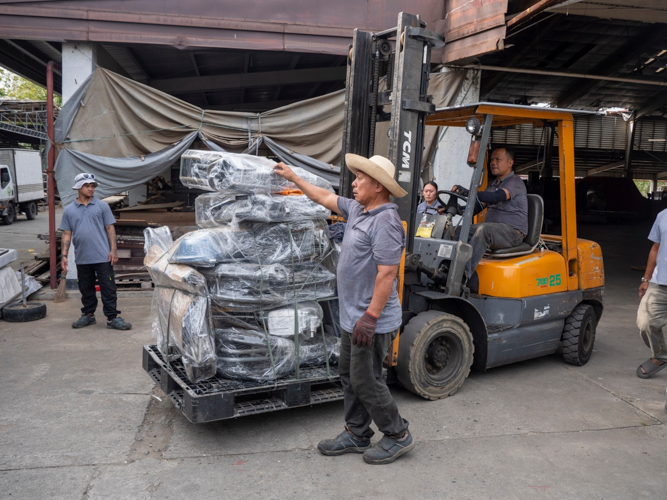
379, 168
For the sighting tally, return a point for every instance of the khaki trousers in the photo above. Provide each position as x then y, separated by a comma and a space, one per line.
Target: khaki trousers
652, 318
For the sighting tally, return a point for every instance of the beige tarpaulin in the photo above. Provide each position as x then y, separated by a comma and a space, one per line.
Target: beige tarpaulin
126, 132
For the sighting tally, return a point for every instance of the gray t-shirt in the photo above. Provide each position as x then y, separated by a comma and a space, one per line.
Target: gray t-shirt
89, 236
658, 234
373, 238
513, 211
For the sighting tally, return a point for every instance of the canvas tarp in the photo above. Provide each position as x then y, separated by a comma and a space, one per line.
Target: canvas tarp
127, 133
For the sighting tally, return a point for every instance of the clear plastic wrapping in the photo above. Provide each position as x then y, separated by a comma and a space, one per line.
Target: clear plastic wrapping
239, 173
182, 321
168, 275
243, 286
217, 209
312, 352
281, 322
160, 236
268, 244
244, 354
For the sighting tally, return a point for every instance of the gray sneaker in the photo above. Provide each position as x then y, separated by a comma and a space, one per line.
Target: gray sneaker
84, 321
388, 449
118, 323
345, 442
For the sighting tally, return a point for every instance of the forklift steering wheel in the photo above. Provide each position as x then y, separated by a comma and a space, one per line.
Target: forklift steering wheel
450, 193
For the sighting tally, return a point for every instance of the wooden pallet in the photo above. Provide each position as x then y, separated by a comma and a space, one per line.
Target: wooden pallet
134, 282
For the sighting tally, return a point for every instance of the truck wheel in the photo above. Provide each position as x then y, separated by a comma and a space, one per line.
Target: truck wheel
31, 210
579, 335
16, 313
435, 352
11, 215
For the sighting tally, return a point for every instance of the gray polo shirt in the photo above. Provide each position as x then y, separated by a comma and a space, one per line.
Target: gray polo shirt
658, 234
89, 236
513, 211
373, 238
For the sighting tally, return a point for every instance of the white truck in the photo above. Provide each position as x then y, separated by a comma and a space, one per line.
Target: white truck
21, 183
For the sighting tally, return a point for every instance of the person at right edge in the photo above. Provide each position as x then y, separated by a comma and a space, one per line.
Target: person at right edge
370, 312
506, 221
652, 313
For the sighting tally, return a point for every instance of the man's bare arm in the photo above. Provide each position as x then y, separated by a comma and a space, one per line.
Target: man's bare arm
319, 195
650, 267
65, 241
384, 284
111, 234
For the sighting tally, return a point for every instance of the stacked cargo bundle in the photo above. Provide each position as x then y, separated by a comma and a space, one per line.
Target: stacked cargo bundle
239, 296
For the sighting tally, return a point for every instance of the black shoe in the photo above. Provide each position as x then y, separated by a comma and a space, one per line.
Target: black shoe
118, 323
389, 449
345, 442
83, 321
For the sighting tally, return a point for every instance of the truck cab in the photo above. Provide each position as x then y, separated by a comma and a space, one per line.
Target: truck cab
21, 184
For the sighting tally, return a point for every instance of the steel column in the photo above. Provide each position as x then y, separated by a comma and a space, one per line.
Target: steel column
50, 174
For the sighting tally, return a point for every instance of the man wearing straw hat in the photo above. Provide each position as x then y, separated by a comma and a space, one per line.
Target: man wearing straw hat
370, 312
89, 223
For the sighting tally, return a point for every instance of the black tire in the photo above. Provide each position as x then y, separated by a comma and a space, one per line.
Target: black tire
11, 215
16, 313
579, 335
435, 352
31, 210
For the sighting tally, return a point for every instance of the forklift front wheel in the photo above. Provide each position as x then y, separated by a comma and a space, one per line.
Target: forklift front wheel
579, 335
435, 353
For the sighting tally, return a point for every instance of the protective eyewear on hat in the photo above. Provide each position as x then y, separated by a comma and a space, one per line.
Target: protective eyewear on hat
87, 176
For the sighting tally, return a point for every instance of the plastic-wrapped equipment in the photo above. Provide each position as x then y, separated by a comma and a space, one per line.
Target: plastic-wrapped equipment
160, 236
281, 321
169, 275
217, 209
253, 242
183, 318
244, 354
247, 286
240, 173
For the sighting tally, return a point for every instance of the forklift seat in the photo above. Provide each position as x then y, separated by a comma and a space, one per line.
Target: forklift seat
529, 243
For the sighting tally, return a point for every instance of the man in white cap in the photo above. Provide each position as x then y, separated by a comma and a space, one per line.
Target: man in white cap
89, 223
370, 312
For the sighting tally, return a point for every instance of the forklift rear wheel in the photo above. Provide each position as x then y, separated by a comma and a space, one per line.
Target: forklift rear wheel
11, 215
435, 353
579, 335
31, 210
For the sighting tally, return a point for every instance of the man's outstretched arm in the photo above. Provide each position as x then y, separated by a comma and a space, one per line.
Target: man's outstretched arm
319, 195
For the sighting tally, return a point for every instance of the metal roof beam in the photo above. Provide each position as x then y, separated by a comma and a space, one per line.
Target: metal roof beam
613, 63
657, 101
245, 80
24, 65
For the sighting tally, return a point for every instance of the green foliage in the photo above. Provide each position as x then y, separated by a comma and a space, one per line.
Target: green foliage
13, 86
643, 186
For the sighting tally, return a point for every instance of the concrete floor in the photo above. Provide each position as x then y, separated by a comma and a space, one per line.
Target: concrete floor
80, 419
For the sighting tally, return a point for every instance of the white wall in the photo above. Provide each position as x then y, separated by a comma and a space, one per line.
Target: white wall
78, 63
449, 164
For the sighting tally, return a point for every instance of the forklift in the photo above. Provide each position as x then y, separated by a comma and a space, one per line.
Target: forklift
538, 298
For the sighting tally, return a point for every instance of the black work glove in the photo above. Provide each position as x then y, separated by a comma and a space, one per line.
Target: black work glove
462, 191
364, 329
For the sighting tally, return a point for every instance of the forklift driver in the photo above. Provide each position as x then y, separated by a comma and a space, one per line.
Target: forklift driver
506, 221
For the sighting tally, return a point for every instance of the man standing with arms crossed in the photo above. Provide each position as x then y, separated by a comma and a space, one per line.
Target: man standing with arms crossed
89, 223
370, 312
652, 313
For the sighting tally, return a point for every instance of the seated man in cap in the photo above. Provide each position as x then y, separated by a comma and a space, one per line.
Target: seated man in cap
506, 221
370, 312
89, 224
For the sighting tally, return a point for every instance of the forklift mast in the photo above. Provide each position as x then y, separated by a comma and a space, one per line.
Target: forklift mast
401, 57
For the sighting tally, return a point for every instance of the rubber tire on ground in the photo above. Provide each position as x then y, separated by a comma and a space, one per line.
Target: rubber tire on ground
16, 313
31, 210
11, 215
424, 332
578, 336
